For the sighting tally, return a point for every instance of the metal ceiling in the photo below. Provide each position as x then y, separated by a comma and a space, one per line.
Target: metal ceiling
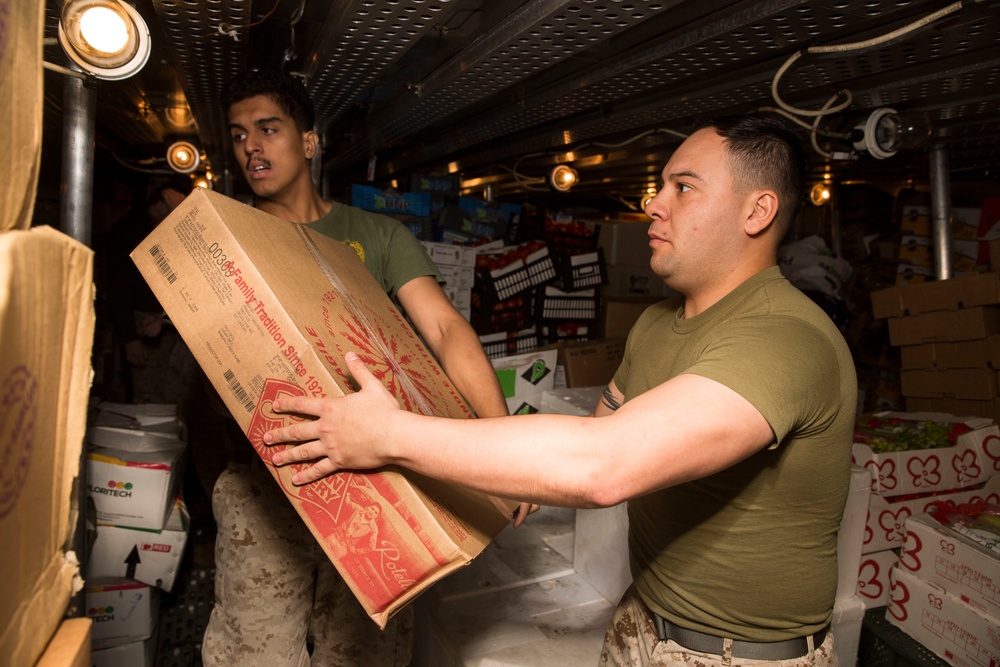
499, 91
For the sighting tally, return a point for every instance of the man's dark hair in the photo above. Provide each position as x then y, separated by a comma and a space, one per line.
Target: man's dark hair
766, 153
287, 91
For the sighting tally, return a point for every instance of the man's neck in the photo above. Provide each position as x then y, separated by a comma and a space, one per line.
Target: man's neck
303, 207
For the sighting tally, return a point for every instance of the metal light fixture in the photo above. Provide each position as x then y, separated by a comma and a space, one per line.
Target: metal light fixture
183, 157
819, 194
107, 39
563, 177
885, 132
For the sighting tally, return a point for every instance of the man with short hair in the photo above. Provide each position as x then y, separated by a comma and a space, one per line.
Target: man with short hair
727, 427
275, 588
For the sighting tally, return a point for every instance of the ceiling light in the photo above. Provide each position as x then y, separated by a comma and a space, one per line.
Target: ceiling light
107, 39
183, 157
563, 177
885, 132
819, 194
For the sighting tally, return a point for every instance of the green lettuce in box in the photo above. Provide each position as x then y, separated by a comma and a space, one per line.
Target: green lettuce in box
926, 451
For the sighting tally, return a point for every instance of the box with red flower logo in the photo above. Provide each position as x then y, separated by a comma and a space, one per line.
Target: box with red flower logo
914, 452
873, 577
269, 308
887, 516
943, 623
966, 568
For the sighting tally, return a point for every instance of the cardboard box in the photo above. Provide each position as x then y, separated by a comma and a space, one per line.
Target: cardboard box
851, 536
973, 458
21, 79
122, 611
133, 654
989, 409
626, 280
945, 326
625, 243
982, 353
620, 313
886, 524
591, 363
873, 577
944, 624
149, 556
152, 417
524, 378
47, 330
848, 615
957, 564
133, 476
975, 289
449, 254
961, 383
269, 308
70, 647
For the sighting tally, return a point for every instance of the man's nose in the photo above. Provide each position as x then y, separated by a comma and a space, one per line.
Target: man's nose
656, 207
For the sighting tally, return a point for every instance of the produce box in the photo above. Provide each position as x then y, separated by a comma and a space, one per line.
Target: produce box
951, 629
873, 577
524, 378
123, 611
966, 569
910, 453
885, 528
269, 308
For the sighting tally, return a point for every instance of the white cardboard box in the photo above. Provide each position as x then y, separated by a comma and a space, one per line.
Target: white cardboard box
134, 654
873, 577
887, 516
133, 476
524, 378
149, 556
941, 556
851, 535
123, 611
944, 624
848, 614
974, 458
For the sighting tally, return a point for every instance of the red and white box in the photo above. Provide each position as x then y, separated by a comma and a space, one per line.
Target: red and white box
123, 611
887, 516
951, 629
941, 556
873, 577
269, 308
974, 457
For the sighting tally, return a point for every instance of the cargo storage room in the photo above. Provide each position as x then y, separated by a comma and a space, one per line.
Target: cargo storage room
527, 155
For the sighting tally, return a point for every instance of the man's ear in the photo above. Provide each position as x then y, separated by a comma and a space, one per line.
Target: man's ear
765, 209
311, 140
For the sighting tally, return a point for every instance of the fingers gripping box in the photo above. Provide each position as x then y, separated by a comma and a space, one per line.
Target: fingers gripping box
268, 309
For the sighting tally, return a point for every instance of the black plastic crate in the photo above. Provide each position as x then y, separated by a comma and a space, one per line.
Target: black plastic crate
577, 272
507, 344
552, 303
517, 271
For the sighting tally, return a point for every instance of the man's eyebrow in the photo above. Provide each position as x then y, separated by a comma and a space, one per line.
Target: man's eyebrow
673, 176
258, 122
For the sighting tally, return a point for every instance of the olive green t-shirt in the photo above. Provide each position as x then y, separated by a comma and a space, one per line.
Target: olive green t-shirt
390, 252
749, 552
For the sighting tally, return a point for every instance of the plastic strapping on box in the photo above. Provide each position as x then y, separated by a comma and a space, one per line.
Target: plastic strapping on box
404, 380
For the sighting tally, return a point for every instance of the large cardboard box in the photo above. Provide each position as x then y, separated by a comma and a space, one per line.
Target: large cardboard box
152, 557
851, 536
873, 577
951, 629
947, 326
70, 647
524, 378
941, 556
269, 308
974, 456
123, 611
886, 524
620, 313
46, 334
591, 363
982, 353
975, 289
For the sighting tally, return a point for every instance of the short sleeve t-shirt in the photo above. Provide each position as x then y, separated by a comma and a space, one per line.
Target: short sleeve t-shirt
749, 552
389, 251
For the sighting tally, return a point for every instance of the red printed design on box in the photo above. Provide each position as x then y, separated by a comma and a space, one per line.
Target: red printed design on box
873, 577
912, 453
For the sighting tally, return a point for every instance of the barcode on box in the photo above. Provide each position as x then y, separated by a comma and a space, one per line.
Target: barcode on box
162, 263
238, 391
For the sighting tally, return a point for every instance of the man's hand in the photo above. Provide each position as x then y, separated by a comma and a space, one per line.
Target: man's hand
344, 435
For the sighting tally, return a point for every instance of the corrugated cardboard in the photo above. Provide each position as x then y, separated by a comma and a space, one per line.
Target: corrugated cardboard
591, 363
978, 384
269, 308
46, 334
70, 647
21, 35
123, 611
951, 629
945, 326
967, 570
975, 289
524, 378
982, 353
873, 577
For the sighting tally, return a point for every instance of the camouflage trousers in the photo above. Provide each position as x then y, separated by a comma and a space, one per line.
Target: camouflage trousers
632, 641
276, 590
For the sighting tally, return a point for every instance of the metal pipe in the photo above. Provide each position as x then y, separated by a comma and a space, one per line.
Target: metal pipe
941, 211
76, 219
77, 187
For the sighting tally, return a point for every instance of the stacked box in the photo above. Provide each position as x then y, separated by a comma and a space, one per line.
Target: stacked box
625, 245
916, 254
948, 333
515, 271
505, 344
457, 265
525, 378
413, 209
945, 591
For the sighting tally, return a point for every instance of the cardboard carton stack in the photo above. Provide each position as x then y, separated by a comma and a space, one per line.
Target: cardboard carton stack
945, 589
916, 245
625, 244
916, 460
269, 308
948, 332
457, 265
134, 472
